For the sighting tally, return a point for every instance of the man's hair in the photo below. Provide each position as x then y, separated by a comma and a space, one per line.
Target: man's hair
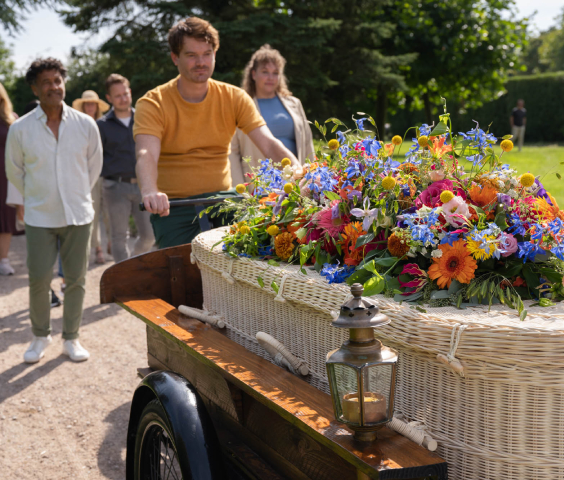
42, 64
115, 78
192, 27
264, 55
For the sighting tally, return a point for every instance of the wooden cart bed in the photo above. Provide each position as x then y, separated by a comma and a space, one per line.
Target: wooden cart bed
279, 417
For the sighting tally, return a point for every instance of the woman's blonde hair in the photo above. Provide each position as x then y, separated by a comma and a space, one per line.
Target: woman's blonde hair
265, 54
6, 108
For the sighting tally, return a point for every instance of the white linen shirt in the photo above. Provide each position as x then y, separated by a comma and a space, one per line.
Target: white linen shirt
54, 176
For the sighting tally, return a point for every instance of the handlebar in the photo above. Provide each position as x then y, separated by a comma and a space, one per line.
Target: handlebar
193, 201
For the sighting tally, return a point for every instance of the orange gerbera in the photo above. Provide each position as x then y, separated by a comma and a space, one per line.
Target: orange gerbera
456, 263
271, 198
483, 197
546, 211
437, 146
350, 235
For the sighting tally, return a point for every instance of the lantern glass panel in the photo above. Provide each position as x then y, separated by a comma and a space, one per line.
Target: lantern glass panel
345, 385
377, 387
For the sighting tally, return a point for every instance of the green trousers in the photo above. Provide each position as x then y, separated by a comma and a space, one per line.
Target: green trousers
181, 225
42, 247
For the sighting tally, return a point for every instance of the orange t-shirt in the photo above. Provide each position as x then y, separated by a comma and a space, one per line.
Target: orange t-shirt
195, 137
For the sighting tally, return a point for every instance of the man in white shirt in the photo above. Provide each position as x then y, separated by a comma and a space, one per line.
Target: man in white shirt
54, 157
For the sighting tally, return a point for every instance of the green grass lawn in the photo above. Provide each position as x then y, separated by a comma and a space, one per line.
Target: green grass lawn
543, 160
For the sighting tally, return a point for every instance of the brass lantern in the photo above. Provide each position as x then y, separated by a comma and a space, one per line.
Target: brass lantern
362, 373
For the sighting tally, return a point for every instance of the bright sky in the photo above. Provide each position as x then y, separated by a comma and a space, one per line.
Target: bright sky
45, 34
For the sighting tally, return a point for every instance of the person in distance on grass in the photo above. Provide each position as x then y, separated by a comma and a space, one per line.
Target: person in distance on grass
120, 188
183, 131
54, 158
518, 121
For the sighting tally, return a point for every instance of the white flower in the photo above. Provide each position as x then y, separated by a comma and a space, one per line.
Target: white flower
288, 172
500, 184
369, 214
512, 193
438, 253
514, 182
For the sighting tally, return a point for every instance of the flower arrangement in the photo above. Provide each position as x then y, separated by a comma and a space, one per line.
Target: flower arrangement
449, 225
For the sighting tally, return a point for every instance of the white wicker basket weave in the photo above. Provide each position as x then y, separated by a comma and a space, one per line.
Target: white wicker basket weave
488, 387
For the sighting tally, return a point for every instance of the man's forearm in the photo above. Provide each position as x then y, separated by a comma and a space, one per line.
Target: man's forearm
147, 174
277, 151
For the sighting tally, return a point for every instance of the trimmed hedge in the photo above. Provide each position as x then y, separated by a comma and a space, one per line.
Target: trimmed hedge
544, 100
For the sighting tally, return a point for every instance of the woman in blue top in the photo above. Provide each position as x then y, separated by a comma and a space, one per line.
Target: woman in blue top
264, 81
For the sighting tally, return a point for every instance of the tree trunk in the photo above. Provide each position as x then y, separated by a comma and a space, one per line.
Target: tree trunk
428, 107
381, 112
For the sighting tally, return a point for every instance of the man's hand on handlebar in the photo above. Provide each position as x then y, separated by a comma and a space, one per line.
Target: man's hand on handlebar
157, 202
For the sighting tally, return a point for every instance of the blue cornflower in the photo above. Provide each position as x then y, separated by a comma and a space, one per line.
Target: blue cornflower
353, 170
265, 251
425, 129
558, 251
517, 227
371, 146
335, 273
344, 149
475, 159
539, 232
528, 251
342, 137
244, 255
450, 238
556, 226
360, 123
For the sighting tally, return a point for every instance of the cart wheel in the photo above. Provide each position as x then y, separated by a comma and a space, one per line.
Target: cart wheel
155, 453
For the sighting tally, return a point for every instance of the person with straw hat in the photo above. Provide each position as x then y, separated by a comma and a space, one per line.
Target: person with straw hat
91, 104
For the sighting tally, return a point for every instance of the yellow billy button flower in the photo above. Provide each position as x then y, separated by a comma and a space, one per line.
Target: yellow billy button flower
245, 229
423, 141
273, 230
527, 179
396, 140
333, 144
288, 187
447, 196
240, 188
286, 162
388, 183
506, 145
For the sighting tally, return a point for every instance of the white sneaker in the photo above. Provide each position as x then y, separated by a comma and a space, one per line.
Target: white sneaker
75, 350
5, 267
36, 349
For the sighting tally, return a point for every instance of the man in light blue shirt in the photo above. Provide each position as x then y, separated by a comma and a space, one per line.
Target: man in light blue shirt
54, 158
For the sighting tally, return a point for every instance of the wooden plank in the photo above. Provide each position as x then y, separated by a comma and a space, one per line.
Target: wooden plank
149, 274
292, 451
177, 281
246, 459
296, 401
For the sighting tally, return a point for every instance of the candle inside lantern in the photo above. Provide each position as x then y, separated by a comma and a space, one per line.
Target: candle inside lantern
375, 408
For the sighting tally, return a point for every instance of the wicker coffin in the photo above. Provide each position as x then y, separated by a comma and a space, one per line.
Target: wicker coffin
488, 387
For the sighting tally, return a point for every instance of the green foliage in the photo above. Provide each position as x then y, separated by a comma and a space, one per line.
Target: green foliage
333, 49
545, 52
7, 66
12, 13
474, 43
544, 114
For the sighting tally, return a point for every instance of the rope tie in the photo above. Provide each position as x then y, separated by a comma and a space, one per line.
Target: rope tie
279, 297
228, 275
450, 359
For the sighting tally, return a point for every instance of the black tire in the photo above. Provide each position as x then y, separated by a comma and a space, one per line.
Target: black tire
156, 455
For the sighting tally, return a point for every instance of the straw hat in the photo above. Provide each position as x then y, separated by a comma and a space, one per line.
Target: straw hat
90, 96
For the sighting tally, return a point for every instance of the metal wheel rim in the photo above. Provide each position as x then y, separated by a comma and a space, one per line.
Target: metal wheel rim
158, 459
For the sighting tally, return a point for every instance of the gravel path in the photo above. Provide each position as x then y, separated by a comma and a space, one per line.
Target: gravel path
61, 420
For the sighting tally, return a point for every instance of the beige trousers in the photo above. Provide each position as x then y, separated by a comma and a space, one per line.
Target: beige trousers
518, 135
